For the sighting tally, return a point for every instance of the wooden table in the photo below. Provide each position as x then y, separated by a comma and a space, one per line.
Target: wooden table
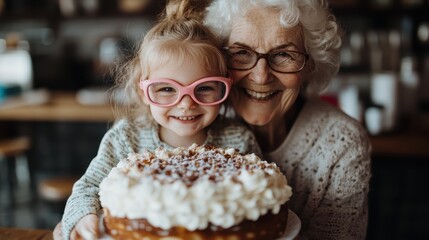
25, 234
409, 140
59, 106
406, 143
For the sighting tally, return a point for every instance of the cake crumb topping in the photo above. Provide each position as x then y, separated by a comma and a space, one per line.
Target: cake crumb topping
188, 165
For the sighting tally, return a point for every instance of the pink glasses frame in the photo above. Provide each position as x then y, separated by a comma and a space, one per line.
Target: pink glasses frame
185, 90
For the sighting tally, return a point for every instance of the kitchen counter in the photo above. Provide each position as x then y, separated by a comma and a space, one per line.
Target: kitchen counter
63, 106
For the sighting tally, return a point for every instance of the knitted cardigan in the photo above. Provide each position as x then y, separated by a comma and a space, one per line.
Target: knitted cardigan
326, 159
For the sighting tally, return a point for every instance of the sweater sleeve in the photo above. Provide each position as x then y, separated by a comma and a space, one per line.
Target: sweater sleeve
326, 159
343, 211
84, 199
343, 214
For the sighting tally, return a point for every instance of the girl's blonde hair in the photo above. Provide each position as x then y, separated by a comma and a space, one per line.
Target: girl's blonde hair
179, 35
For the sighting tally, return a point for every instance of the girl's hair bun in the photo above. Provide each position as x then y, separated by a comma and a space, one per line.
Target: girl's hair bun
185, 9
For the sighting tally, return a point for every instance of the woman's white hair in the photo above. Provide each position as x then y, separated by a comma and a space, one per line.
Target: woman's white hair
322, 35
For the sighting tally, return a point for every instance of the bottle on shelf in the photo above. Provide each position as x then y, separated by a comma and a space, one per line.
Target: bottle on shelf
409, 84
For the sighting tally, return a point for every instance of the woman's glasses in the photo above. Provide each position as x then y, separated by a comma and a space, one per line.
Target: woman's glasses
163, 92
282, 61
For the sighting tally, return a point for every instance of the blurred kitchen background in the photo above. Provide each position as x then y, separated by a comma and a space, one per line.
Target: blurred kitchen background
55, 62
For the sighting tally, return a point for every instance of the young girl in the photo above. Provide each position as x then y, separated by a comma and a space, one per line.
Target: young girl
173, 90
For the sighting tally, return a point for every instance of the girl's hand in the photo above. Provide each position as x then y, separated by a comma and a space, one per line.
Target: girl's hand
86, 228
57, 234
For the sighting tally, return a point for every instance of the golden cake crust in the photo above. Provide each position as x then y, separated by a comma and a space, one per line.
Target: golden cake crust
269, 226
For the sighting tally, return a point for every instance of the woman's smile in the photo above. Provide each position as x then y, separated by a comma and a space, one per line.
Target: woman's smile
261, 92
260, 95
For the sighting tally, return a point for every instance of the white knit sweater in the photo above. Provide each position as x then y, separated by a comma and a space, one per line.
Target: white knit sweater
326, 159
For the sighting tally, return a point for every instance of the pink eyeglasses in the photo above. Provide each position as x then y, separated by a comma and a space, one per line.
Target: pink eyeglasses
163, 92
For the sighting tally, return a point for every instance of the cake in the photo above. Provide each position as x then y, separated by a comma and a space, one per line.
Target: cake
200, 192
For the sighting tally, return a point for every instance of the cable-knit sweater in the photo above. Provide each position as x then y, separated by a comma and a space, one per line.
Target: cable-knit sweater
126, 137
326, 159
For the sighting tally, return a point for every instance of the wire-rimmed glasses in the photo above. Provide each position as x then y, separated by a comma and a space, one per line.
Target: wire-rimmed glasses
282, 61
164, 92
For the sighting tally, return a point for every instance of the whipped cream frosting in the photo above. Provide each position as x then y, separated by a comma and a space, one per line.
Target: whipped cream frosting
194, 187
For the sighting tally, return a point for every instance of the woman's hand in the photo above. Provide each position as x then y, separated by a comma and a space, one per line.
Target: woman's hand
86, 228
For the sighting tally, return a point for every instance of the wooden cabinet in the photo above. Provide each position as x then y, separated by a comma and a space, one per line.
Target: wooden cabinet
58, 10
400, 23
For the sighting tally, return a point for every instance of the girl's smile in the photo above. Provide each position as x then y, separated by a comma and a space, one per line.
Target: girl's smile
184, 122
187, 119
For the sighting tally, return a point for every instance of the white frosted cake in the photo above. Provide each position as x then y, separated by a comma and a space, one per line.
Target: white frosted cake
200, 192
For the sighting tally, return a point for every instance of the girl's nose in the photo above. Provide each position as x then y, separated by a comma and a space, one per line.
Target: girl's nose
186, 102
260, 73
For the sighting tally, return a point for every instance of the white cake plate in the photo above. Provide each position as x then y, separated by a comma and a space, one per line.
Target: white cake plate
293, 227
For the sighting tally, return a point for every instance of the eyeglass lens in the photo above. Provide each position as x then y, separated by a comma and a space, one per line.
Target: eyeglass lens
167, 93
280, 60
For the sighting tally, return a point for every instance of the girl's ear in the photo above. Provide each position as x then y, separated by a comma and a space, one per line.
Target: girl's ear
144, 99
141, 94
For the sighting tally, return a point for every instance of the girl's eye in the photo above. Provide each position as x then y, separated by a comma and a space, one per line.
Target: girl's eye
162, 87
166, 89
208, 86
204, 89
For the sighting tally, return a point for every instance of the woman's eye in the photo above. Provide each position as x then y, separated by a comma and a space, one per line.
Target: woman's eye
242, 52
239, 52
283, 54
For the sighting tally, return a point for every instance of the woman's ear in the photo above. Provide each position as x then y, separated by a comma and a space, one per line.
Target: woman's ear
305, 74
310, 66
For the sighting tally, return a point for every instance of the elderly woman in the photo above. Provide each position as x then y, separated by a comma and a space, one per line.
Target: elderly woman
281, 52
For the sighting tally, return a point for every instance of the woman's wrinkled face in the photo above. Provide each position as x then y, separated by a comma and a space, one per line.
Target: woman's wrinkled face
261, 95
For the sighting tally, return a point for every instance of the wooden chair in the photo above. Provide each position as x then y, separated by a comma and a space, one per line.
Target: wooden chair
53, 193
56, 189
10, 150
15, 146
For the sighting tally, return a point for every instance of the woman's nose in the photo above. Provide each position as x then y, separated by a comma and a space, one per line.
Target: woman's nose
186, 102
260, 73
